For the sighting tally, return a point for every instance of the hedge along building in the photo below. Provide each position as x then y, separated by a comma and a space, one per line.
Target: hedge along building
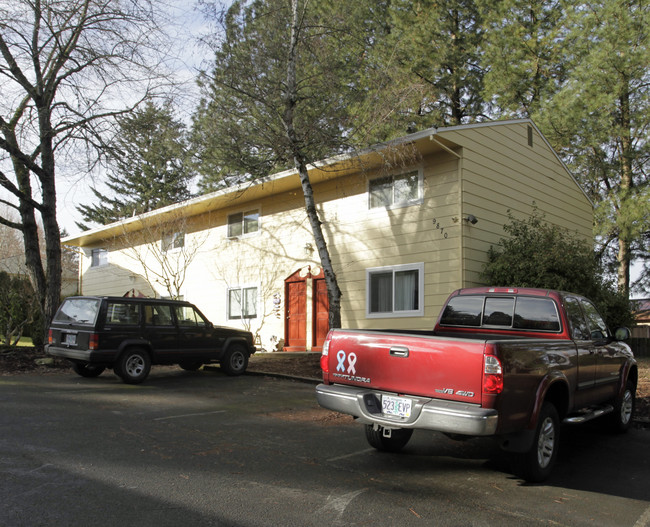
406, 223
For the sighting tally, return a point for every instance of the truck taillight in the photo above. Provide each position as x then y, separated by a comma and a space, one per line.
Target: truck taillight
93, 343
50, 337
324, 358
492, 375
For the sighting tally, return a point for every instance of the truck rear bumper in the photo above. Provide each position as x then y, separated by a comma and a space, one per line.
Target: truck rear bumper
431, 414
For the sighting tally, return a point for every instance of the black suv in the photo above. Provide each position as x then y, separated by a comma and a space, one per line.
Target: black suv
131, 334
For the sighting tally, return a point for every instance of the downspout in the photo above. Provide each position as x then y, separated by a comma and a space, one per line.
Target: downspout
461, 248
80, 272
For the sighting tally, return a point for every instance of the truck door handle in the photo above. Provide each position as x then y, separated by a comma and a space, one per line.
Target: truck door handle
399, 351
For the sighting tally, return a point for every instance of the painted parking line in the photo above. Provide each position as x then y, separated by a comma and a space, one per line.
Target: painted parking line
188, 415
346, 456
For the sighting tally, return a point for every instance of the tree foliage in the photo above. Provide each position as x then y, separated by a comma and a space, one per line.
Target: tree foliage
240, 127
580, 70
538, 254
437, 44
150, 164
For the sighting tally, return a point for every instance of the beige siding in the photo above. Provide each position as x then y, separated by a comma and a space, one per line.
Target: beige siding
502, 173
497, 171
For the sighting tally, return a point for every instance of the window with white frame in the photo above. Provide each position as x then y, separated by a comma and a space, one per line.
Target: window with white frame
243, 223
395, 291
395, 191
242, 302
172, 241
98, 257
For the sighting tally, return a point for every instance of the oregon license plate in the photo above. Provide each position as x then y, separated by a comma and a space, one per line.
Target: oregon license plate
399, 406
70, 339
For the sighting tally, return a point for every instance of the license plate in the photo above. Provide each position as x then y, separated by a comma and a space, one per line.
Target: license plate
399, 406
70, 339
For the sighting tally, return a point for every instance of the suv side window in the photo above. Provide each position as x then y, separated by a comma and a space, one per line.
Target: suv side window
188, 317
158, 315
123, 314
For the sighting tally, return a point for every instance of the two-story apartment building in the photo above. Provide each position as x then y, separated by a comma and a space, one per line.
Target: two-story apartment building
406, 223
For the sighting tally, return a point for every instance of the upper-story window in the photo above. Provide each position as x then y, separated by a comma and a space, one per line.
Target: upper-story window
395, 191
98, 257
172, 241
242, 223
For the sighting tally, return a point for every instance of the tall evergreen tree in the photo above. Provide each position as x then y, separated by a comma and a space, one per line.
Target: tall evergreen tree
150, 167
524, 53
437, 45
581, 71
602, 116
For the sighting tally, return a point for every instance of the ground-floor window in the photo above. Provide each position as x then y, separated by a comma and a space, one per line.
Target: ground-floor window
395, 291
242, 302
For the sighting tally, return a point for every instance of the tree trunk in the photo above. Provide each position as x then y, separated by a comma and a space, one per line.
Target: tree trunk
333, 290
626, 189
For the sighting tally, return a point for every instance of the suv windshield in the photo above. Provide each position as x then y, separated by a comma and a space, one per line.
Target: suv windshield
78, 310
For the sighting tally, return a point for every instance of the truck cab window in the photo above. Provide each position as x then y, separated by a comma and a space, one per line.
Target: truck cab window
579, 328
597, 327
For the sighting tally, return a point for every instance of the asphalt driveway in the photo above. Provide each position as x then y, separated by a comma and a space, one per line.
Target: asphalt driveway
206, 449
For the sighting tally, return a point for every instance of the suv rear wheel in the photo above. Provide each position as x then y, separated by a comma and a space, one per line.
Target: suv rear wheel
190, 365
133, 366
87, 370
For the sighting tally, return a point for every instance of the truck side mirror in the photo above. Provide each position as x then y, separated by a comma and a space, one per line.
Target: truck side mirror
622, 334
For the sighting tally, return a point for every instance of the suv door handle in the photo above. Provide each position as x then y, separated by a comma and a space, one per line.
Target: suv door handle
399, 351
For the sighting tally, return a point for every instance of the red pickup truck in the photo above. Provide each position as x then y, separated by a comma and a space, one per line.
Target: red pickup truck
503, 362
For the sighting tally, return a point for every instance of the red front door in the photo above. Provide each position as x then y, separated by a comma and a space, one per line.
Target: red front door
296, 316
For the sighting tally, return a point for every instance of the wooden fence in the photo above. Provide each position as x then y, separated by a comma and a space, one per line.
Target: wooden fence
640, 346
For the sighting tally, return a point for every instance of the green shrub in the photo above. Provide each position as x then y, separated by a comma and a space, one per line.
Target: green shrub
18, 309
537, 254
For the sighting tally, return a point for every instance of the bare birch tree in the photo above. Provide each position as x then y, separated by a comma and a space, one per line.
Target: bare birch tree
164, 253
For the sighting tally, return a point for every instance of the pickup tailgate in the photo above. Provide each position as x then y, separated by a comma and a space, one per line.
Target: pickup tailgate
428, 366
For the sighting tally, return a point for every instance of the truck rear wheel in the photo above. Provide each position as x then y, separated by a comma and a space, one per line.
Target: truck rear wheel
397, 440
536, 464
624, 409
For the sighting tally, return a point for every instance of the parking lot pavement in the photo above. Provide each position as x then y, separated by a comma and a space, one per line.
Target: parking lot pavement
207, 449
